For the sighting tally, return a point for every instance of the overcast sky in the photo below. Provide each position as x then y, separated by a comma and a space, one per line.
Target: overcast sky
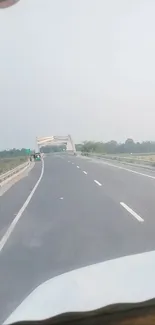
84, 67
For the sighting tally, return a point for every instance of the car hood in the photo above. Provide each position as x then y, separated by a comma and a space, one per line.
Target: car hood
126, 279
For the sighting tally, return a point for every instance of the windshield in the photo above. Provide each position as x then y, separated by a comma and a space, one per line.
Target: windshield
77, 155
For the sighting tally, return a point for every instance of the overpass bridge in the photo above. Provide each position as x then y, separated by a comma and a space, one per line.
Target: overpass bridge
54, 140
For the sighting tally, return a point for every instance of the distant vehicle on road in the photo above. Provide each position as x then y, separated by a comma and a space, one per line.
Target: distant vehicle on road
37, 156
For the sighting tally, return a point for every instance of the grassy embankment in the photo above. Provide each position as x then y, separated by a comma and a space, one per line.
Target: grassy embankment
143, 159
7, 164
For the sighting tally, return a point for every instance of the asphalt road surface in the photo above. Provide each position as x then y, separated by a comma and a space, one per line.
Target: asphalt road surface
71, 212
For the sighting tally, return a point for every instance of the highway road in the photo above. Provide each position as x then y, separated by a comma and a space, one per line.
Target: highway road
67, 213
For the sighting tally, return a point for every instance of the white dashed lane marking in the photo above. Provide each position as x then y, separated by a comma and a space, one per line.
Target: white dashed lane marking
98, 183
134, 214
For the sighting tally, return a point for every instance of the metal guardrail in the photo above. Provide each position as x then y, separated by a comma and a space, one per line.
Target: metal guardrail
12, 172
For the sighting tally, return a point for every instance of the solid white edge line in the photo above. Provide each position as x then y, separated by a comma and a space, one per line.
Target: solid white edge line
128, 170
84, 172
134, 214
19, 214
98, 183
77, 166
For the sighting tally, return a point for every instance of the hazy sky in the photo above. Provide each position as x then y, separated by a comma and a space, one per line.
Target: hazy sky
84, 67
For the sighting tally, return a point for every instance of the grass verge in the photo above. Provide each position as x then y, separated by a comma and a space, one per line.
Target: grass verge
7, 164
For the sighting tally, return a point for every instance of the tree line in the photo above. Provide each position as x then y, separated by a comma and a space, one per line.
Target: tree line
113, 147
110, 147
13, 153
55, 148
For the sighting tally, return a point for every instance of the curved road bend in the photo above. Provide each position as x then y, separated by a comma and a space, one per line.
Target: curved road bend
82, 212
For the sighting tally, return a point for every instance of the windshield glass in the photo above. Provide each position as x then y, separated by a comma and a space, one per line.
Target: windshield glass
77, 155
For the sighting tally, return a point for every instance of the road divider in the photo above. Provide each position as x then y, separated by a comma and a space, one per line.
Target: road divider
133, 213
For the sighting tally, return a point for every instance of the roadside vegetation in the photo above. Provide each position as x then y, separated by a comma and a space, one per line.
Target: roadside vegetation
10, 159
129, 152
113, 147
55, 148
